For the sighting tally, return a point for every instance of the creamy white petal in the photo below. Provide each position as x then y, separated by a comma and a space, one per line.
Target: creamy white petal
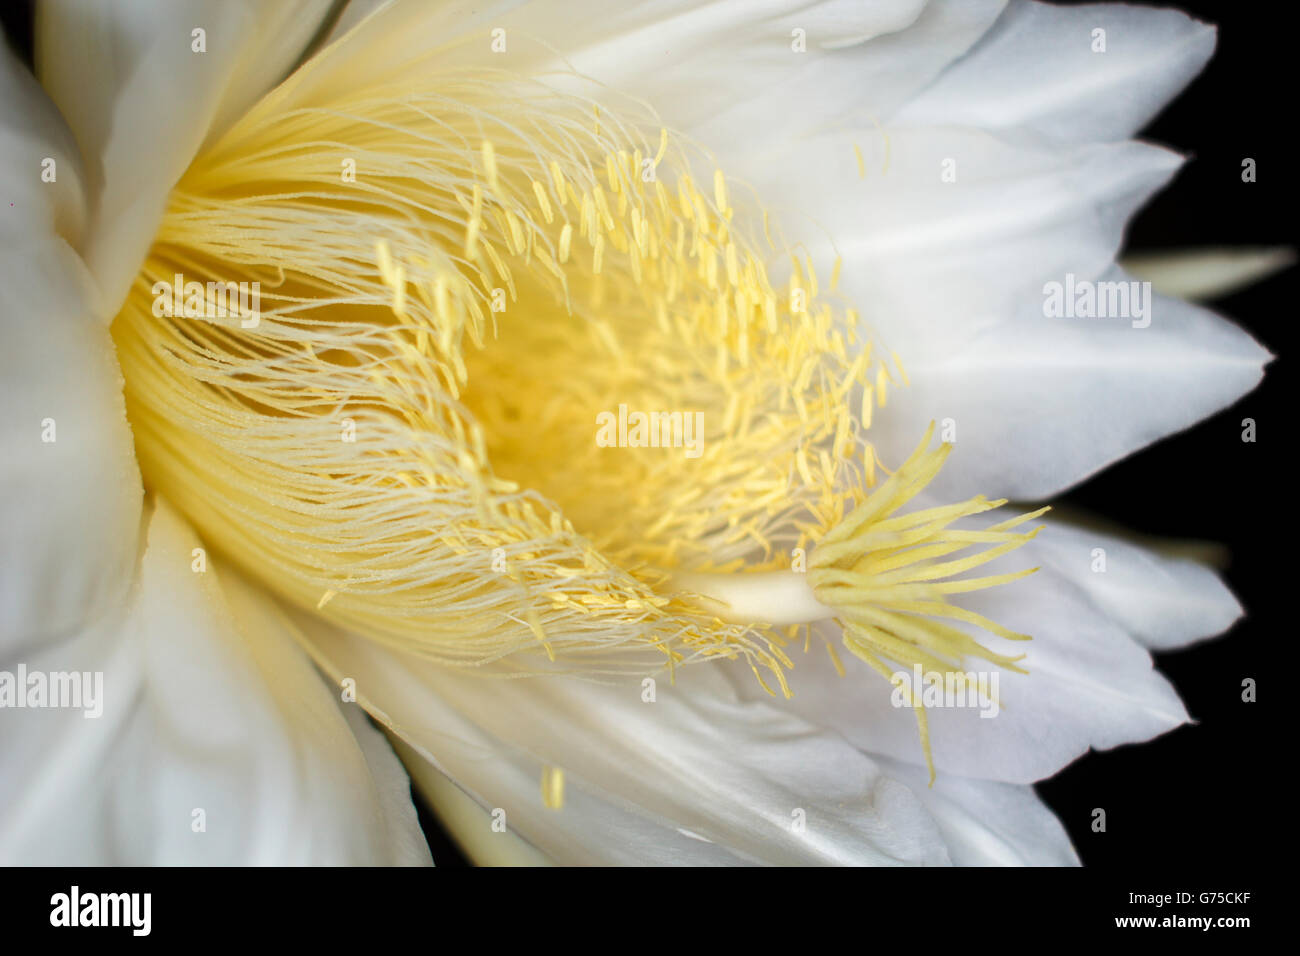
946, 232
1201, 274
697, 762
39, 161
393, 824
469, 823
726, 73
68, 480
502, 786
740, 74
985, 823
1163, 602
1043, 67
502, 780
1039, 404
953, 276
208, 705
140, 100
69, 486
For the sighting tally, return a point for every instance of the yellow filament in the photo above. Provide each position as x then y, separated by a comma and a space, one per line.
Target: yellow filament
886, 577
553, 788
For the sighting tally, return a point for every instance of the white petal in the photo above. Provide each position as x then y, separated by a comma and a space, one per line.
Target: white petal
468, 822
1164, 602
141, 101
71, 505
1037, 69
207, 704
1040, 403
497, 776
1200, 274
726, 73
951, 276
35, 145
948, 231
502, 785
696, 761
989, 824
395, 831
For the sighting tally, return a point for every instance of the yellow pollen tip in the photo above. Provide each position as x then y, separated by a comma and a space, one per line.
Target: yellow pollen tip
553, 788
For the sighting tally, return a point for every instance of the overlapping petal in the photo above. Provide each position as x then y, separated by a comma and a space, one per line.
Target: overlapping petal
141, 97
696, 759
216, 742
69, 487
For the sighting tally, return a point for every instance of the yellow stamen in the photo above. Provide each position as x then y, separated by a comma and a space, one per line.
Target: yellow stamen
878, 574
553, 788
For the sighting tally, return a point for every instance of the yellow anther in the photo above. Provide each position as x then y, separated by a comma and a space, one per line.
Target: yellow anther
543, 201
553, 788
566, 237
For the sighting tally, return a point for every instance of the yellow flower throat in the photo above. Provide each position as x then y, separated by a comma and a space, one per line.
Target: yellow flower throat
405, 439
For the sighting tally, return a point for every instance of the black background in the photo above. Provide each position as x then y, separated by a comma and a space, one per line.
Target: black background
1205, 795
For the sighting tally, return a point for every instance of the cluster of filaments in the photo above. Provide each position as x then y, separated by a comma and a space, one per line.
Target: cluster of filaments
390, 443
889, 575
406, 439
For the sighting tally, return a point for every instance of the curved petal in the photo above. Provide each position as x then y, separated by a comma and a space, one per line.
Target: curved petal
985, 823
468, 822
1037, 404
499, 780
68, 479
733, 74
69, 485
1163, 602
736, 76
953, 276
499, 816
947, 232
728, 778
1085, 86
215, 742
141, 99
39, 161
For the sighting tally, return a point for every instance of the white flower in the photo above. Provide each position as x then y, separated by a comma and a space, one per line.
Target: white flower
954, 156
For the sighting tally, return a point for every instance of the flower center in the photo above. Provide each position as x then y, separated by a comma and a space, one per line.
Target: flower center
428, 430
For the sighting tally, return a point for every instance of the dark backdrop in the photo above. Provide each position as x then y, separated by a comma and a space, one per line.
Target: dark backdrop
1205, 794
